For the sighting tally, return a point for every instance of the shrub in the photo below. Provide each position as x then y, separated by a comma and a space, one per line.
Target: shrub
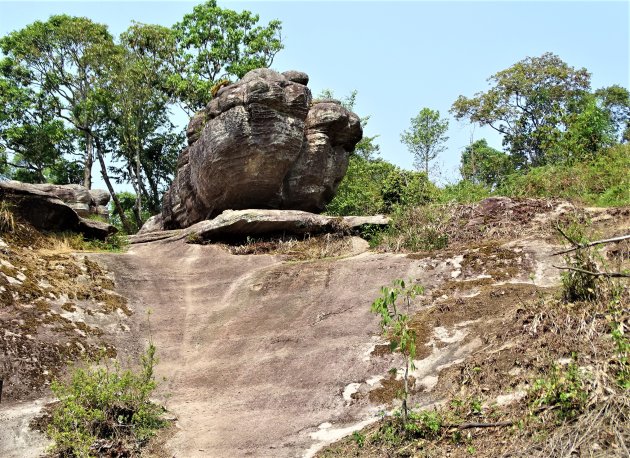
395, 325
105, 403
566, 390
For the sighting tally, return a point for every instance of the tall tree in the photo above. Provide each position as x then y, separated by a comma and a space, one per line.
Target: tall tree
216, 43
32, 140
144, 137
482, 164
616, 101
530, 103
63, 56
425, 138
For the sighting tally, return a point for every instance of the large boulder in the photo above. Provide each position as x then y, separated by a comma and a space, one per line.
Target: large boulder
43, 207
261, 143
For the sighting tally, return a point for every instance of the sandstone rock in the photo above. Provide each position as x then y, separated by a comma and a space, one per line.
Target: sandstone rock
235, 224
261, 143
41, 206
84, 201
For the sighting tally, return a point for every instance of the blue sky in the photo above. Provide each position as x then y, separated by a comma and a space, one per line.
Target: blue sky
402, 56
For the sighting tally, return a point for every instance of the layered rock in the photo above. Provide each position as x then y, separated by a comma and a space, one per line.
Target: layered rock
261, 143
236, 224
58, 207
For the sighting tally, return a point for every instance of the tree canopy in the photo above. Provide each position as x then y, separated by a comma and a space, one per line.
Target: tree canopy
425, 138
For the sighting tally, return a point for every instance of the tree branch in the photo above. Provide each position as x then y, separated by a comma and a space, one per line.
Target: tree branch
597, 242
595, 274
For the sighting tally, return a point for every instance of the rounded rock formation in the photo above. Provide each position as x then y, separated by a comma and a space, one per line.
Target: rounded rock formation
261, 143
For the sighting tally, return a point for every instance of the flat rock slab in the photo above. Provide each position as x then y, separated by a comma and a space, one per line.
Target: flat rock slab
256, 223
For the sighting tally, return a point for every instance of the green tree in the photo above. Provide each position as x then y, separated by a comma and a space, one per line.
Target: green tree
616, 101
396, 326
360, 191
32, 141
530, 103
426, 137
63, 57
589, 131
216, 43
144, 139
482, 164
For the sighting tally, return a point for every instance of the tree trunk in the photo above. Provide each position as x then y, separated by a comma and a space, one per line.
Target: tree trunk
89, 159
110, 188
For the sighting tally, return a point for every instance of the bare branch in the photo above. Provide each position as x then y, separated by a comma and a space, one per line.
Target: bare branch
595, 274
597, 242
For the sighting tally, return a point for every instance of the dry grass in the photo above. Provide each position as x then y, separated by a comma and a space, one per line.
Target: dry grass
7, 220
310, 247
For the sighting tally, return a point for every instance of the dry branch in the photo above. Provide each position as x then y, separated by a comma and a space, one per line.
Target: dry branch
578, 246
595, 274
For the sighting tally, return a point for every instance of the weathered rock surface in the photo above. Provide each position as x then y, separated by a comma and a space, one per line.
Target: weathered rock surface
242, 223
43, 206
261, 143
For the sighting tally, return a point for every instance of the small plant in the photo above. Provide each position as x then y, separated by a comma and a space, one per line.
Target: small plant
7, 221
358, 438
564, 389
105, 403
578, 285
194, 238
426, 424
395, 326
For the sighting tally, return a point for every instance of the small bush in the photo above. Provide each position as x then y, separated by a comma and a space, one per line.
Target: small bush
105, 403
565, 390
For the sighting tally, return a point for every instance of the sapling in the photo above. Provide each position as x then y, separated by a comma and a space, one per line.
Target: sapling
395, 326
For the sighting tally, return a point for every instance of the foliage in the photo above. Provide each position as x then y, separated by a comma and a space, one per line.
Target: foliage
127, 202
603, 181
60, 61
616, 101
102, 402
359, 192
402, 188
482, 164
530, 103
426, 137
463, 191
588, 131
395, 325
215, 43
564, 389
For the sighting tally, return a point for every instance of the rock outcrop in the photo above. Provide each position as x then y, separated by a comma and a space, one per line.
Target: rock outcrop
58, 207
261, 143
235, 224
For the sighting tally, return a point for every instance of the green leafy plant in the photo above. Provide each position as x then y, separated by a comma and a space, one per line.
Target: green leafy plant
358, 438
395, 326
564, 389
103, 402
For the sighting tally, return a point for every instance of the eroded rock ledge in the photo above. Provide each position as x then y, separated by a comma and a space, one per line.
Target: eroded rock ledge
242, 223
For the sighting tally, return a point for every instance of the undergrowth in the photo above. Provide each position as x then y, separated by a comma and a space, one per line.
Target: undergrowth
105, 408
